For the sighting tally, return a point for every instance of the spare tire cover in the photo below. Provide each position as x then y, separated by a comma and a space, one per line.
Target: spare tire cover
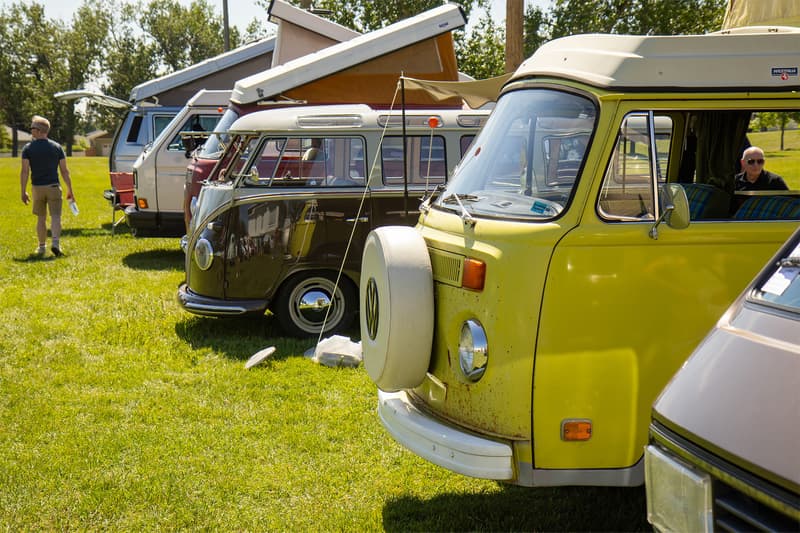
396, 304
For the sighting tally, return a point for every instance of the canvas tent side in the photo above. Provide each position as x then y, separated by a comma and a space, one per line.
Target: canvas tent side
741, 13
301, 32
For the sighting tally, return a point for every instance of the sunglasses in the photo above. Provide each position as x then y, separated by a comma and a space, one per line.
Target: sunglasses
754, 161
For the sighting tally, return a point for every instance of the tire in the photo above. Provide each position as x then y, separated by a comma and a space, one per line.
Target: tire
303, 302
396, 308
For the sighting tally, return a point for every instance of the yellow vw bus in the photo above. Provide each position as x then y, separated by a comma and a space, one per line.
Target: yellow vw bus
585, 245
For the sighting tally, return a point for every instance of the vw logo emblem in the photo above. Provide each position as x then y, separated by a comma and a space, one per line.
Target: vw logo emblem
371, 310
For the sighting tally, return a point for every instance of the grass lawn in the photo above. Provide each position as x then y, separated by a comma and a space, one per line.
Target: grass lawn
118, 411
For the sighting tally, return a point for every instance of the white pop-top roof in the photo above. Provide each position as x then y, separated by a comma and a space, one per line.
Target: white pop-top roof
746, 58
204, 68
341, 56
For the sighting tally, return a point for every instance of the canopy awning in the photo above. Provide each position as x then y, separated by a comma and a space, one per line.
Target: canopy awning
742, 13
475, 93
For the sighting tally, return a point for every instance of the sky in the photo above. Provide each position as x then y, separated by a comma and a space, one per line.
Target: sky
240, 12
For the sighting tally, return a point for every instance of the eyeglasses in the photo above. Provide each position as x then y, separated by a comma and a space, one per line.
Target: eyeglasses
754, 161
35, 128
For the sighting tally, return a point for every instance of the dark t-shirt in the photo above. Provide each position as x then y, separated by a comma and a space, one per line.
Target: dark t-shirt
44, 156
767, 181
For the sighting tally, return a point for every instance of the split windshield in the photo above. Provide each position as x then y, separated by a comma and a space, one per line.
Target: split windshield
525, 162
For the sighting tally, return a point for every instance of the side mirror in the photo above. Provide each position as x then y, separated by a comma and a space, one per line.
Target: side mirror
678, 216
674, 208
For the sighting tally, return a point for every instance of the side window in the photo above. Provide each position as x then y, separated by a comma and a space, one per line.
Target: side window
426, 160
629, 183
196, 123
133, 132
465, 142
160, 122
311, 162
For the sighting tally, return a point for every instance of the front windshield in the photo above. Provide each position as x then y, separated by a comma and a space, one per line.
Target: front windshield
215, 144
782, 286
525, 162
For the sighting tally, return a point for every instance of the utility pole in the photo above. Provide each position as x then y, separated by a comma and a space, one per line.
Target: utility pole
226, 38
514, 14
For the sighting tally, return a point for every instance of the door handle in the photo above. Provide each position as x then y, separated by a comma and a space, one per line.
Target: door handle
359, 219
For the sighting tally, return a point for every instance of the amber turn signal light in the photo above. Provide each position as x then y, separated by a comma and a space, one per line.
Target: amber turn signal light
142, 203
576, 430
474, 274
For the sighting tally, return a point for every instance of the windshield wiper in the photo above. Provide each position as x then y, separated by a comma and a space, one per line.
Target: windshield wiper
791, 261
468, 219
425, 206
457, 198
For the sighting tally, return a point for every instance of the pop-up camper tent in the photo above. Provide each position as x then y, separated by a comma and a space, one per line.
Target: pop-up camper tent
364, 69
742, 13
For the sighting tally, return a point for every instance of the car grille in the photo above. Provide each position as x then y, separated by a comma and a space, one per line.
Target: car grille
735, 511
447, 267
739, 496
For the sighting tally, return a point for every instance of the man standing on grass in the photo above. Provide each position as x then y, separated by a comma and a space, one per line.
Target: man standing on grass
42, 158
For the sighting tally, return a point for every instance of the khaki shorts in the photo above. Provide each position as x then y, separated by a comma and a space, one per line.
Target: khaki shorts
47, 196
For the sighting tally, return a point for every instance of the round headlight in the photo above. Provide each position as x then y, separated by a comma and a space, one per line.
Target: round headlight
203, 254
473, 350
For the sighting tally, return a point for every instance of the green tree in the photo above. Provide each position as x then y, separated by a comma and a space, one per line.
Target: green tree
82, 45
638, 17
184, 36
367, 15
781, 121
481, 52
535, 28
27, 65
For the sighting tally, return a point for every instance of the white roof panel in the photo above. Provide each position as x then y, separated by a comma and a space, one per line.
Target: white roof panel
204, 68
747, 58
347, 54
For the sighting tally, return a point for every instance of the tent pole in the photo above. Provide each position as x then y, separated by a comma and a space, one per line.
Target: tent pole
405, 146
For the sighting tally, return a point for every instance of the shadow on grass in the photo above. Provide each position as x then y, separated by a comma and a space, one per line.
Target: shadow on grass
68, 231
240, 337
124, 228
35, 258
523, 509
155, 260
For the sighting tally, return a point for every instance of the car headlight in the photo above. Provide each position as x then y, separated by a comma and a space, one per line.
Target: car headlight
473, 351
203, 254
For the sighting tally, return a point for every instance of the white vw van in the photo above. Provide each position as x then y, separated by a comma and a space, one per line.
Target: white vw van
160, 170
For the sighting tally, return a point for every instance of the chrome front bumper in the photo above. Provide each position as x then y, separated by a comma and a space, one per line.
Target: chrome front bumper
205, 306
442, 444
